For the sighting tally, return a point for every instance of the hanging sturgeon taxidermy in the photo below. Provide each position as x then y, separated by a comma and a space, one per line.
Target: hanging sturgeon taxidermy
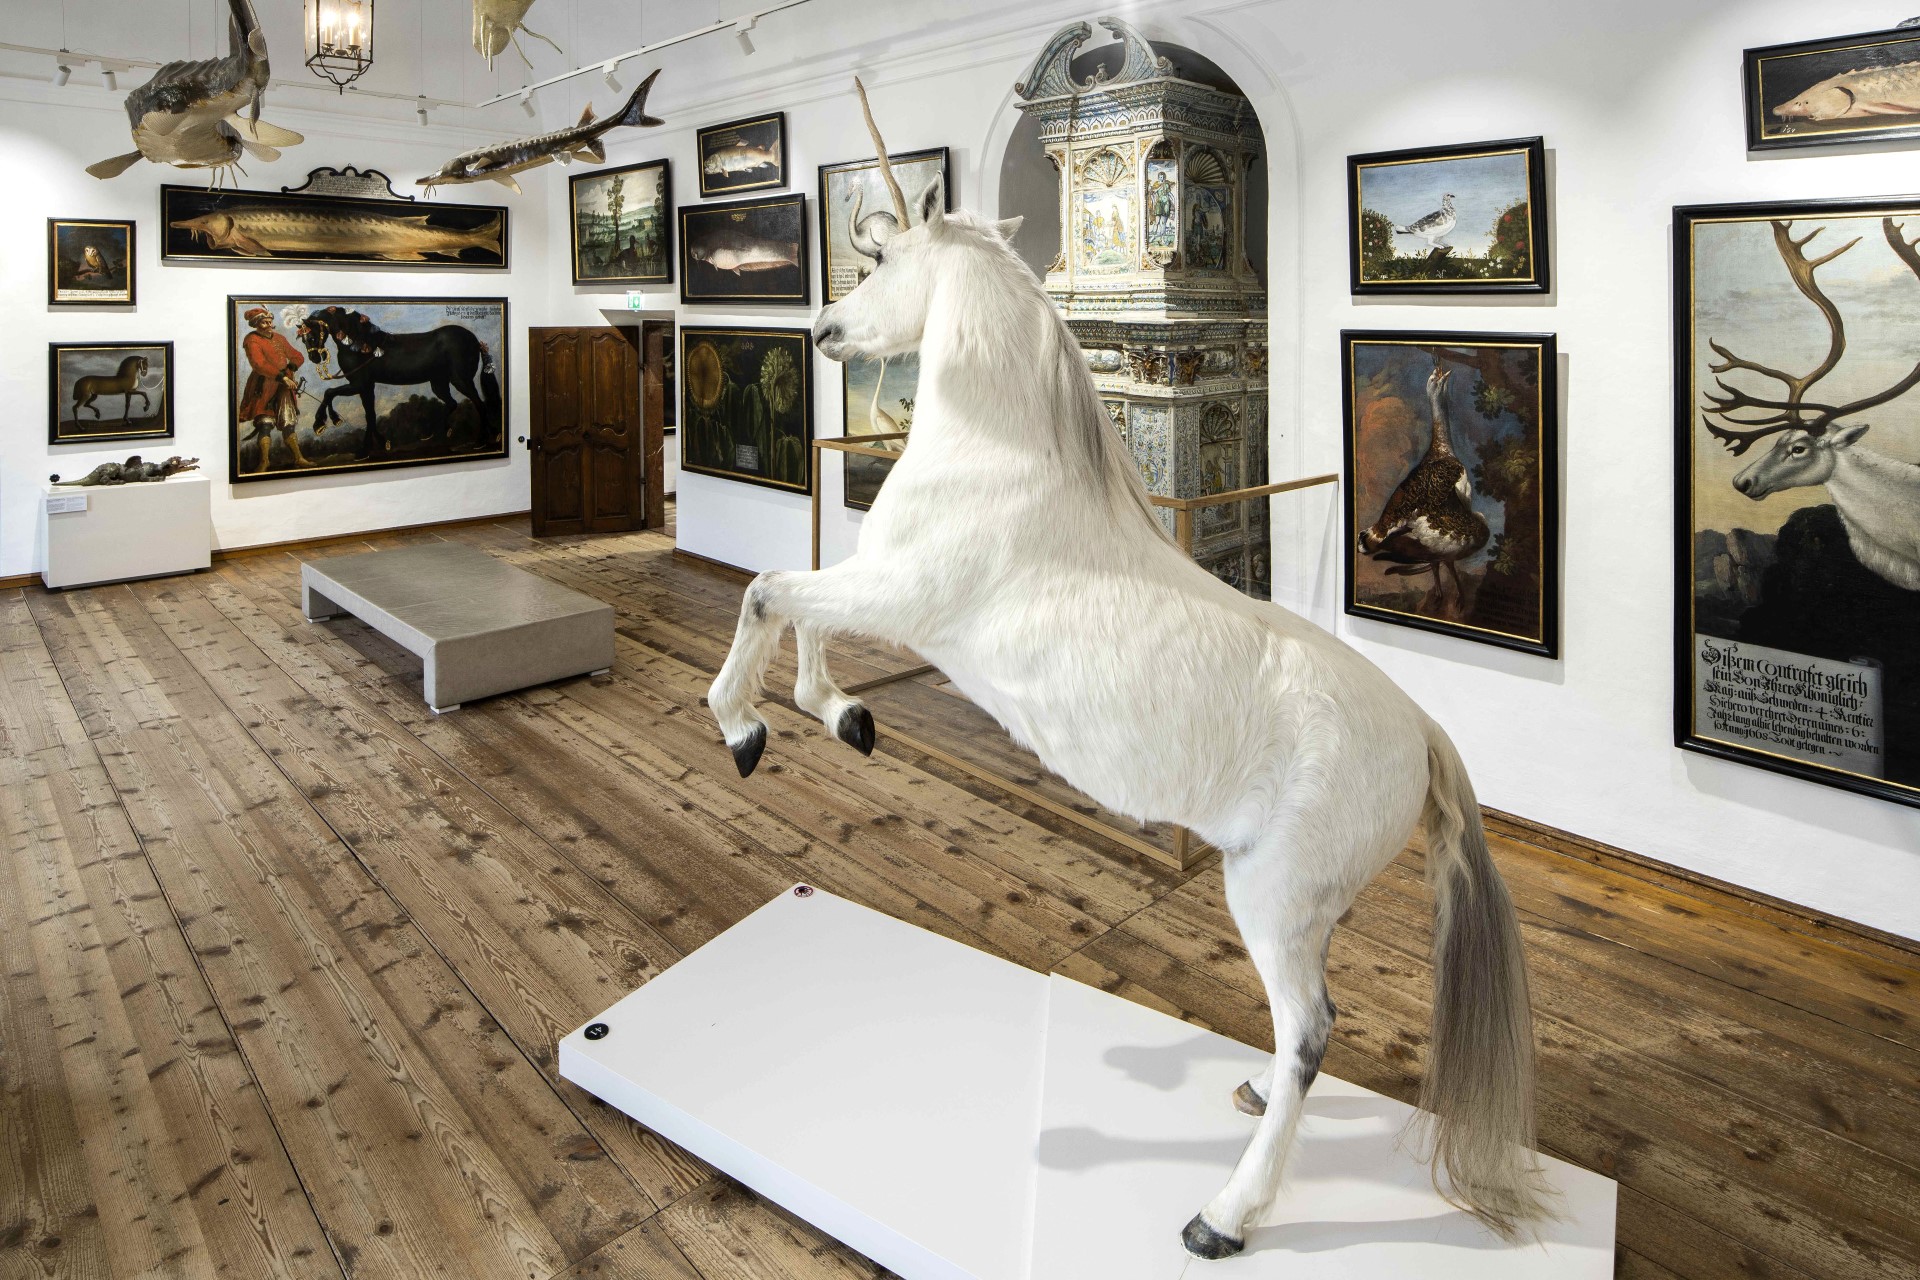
497, 23
499, 162
190, 114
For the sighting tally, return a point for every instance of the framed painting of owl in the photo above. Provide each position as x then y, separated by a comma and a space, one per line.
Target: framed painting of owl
89, 263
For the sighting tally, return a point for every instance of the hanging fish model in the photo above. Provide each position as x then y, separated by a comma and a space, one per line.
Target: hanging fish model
1851, 95
496, 23
190, 114
498, 163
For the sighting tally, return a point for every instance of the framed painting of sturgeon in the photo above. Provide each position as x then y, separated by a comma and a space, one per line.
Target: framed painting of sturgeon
1797, 503
318, 229
750, 251
1453, 484
1862, 88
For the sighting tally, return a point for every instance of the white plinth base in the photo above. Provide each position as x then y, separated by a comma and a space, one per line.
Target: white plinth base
956, 1117
126, 531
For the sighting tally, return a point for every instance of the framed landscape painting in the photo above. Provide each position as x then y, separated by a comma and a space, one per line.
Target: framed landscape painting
623, 225
856, 212
318, 228
742, 155
1452, 512
109, 391
89, 263
745, 251
1797, 548
1862, 88
748, 405
323, 383
878, 400
1464, 219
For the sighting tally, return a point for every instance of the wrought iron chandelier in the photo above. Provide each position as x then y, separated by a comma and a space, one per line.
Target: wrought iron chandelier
339, 36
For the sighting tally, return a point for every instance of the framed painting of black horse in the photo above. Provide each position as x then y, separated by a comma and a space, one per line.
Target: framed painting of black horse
323, 384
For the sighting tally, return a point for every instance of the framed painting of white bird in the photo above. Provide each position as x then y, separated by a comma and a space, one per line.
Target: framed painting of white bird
1453, 484
1797, 497
1860, 88
1461, 219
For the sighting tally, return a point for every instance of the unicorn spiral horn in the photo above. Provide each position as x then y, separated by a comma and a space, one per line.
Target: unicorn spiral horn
880, 147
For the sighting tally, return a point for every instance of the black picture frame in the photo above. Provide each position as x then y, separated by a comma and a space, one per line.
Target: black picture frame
907, 160
118, 235
778, 222
861, 473
764, 134
496, 352
181, 244
1780, 73
574, 183
1692, 414
1538, 276
1544, 638
57, 395
697, 418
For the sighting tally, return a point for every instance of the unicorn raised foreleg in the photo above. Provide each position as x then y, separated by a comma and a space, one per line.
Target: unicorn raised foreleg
1013, 546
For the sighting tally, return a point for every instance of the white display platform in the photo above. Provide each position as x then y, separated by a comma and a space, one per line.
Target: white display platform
952, 1115
125, 531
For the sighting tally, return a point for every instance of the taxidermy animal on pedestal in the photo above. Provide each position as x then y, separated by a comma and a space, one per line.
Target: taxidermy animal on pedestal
499, 162
203, 115
498, 23
1014, 547
133, 471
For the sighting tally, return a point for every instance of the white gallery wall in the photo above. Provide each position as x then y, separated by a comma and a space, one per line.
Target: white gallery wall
1640, 105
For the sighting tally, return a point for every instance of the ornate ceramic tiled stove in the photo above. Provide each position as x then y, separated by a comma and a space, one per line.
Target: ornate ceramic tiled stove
1154, 278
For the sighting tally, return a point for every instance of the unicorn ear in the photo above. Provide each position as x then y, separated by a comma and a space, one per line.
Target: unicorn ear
933, 203
1007, 228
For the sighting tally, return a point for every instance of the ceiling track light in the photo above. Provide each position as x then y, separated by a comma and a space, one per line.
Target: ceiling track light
612, 83
61, 71
526, 102
421, 111
108, 78
740, 30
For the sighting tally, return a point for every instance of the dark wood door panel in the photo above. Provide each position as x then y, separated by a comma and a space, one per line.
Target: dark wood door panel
589, 434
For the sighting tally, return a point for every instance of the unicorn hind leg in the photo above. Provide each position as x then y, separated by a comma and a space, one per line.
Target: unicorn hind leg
816, 693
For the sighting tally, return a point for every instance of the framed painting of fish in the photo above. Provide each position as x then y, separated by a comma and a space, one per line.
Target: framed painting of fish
746, 408
90, 263
1796, 501
109, 391
750, 251
856, 212
878, 400
742, 155
623, 225
199, 224
1861, 88
323, 383
1452, 511
1460, 219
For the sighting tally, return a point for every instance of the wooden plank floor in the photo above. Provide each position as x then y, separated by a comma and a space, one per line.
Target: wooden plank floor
286, 956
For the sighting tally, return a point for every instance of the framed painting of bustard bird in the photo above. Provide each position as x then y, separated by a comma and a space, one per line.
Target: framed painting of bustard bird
1462, 219
1453, 484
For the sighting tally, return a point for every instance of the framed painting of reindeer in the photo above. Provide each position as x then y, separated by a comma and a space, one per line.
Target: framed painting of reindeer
857, 216
1862, 88
109, 391
323, 383
1797, 424
1453, 484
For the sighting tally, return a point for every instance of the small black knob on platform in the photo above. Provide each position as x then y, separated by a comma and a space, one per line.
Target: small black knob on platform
597, 1031
803, 891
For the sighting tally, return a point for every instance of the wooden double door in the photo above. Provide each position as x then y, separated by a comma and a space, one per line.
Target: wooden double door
595, 421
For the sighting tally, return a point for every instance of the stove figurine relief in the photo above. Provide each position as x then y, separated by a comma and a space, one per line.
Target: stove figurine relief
1014, 548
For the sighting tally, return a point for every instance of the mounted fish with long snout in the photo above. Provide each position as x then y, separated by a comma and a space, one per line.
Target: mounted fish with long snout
499, 162
498, 23
190, 114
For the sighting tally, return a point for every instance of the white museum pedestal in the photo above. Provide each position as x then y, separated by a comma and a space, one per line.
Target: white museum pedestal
111, 533
952, 1115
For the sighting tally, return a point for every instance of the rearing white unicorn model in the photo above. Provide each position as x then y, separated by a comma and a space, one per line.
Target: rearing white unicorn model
1013, 546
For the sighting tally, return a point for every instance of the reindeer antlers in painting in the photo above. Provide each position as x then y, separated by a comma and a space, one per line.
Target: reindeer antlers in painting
1796, 412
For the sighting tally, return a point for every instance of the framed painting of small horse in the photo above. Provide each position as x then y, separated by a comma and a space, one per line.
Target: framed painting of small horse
324, 384
109, 391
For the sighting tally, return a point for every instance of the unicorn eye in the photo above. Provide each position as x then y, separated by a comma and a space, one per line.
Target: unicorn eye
879, 256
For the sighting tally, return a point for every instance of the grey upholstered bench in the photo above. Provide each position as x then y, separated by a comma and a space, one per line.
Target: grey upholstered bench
481, 626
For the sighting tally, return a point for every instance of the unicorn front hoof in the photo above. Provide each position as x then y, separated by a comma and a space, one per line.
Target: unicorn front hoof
746, 752
1248, 1101
856, 728
1202, 1241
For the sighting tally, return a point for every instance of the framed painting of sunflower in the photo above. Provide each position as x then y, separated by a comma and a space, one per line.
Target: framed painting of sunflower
746, 408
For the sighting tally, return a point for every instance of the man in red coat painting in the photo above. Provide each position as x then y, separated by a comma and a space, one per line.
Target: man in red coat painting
271, 399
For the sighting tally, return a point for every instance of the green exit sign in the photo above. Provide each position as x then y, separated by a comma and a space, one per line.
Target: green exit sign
636, 301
